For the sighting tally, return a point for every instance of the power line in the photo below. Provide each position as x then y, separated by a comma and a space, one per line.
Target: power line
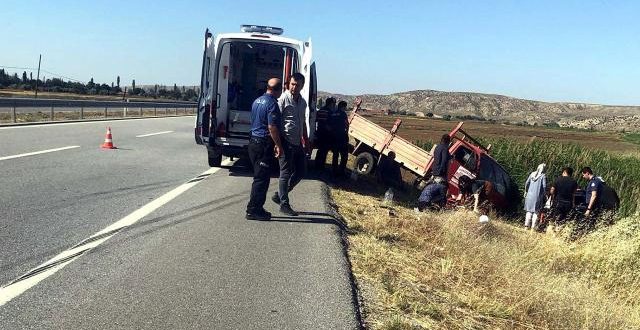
43, 70
61, 76
15, 67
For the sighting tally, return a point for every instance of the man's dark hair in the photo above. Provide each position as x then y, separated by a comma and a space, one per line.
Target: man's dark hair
586, 170
446, 139
568, 169
464, 184
342, 104
391, 155
330, 101
297, 77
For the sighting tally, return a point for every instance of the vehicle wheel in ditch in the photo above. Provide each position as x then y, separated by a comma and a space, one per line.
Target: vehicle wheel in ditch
364, 164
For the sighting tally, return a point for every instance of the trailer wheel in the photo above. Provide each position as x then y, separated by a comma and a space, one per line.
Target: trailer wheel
214, 159
365, 163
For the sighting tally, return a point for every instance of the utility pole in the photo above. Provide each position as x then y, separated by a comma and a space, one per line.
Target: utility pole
38, 76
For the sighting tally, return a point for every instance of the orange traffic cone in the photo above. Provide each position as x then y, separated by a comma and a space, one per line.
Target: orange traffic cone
108, 142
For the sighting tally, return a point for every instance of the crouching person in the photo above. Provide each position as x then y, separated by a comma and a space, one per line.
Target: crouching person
479, 189
433, 196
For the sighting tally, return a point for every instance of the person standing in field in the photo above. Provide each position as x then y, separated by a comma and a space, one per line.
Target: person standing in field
323, 141
295, 142
339, 130
562, 192
263, 143
441, 158
534, 193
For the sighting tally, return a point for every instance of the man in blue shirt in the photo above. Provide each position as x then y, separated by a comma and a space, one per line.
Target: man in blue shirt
264, 141
592, 191
434, 196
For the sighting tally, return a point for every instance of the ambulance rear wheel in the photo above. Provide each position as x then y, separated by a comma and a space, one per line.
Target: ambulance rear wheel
214, 159
365, 163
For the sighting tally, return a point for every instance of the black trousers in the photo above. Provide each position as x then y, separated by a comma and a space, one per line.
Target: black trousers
340, 148
323, 145
260, 154
562, 210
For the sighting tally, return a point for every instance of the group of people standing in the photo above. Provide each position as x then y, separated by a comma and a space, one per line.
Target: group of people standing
560, 200
278, 127
332, 135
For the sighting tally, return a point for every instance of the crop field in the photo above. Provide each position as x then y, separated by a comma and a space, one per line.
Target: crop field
417, 129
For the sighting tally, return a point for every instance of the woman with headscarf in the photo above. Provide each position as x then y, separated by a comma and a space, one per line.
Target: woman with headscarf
534, 191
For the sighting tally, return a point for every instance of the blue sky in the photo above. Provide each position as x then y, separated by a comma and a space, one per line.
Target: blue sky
582, 51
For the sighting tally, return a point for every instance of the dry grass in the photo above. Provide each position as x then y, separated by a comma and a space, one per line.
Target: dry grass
447, 271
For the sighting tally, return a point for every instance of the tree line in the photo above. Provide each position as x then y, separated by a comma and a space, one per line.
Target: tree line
59, 85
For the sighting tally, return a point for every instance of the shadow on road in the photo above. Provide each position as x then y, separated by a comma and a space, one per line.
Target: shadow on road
307, 217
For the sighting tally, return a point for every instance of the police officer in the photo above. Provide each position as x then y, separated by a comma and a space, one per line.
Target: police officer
323, 135
339, 123
264, 141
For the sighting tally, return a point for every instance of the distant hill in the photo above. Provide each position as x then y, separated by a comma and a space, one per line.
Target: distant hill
503, 109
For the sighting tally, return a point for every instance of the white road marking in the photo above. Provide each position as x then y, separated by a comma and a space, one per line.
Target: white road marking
152, 134
88, 122
38, 152
16, 288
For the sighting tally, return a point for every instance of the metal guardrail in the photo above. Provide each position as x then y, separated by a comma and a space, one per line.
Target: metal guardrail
30, 110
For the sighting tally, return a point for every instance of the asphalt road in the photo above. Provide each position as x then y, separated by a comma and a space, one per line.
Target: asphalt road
181, 255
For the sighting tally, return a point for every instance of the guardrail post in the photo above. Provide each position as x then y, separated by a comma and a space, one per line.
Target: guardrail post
13, 114
155, 112
82, 112
52, 114
141, 114
176, 111
105, 112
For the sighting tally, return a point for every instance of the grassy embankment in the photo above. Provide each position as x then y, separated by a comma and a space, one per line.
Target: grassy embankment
447, 271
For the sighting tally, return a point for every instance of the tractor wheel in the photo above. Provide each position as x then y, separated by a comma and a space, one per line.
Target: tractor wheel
365, 163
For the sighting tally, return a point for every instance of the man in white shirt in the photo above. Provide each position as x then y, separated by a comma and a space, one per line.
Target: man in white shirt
295, 142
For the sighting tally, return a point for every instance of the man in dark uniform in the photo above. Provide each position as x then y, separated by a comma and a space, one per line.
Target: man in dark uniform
592, 196
593, 190
339, 128
264, 141
323, 137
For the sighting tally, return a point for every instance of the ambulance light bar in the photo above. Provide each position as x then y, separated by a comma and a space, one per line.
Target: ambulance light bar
261, 29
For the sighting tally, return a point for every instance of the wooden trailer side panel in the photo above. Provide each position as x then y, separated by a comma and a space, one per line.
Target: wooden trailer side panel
367, 132
410, 156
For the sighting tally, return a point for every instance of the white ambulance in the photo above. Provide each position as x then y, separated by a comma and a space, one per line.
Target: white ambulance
235, 70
